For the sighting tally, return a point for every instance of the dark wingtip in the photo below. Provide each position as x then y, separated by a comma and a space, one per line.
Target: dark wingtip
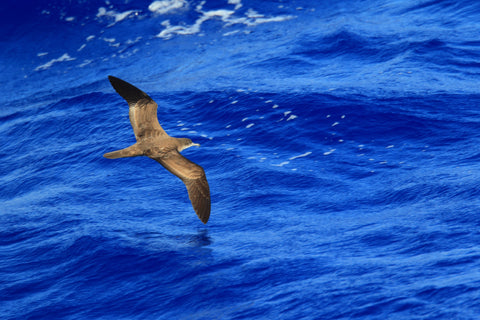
204, 213
114, 81
127, 91
205, 219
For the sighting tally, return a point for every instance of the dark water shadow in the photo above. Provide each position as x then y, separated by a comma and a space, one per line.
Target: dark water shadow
201, 239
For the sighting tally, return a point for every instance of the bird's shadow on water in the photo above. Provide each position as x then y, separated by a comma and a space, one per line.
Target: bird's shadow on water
190, 246
195, 248
201, 239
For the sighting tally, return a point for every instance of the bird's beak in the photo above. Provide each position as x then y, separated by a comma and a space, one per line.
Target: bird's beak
196, 144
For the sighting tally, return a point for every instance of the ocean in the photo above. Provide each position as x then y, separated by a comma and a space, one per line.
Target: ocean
340, 141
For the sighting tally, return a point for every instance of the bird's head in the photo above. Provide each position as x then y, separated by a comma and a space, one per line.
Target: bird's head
186, 143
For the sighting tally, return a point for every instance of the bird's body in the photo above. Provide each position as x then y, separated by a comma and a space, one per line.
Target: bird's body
155, 143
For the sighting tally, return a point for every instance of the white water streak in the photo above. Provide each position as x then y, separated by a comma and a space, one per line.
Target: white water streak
301, 156
165, 6
64, 57
252, 18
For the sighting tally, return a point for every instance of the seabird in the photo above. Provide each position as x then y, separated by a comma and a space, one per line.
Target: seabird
155, 143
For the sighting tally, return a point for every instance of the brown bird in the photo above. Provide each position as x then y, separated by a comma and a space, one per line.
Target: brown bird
155, 143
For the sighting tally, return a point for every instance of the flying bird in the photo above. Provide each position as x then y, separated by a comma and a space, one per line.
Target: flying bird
155, 143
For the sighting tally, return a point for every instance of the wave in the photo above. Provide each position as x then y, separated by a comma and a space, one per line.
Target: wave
305, 48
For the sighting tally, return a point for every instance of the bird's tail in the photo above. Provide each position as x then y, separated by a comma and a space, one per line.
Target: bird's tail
132, 151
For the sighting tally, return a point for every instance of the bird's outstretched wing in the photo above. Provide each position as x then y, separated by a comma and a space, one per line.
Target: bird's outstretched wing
142, 109
194, 178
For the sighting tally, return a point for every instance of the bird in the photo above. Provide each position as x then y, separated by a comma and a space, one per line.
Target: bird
155, 143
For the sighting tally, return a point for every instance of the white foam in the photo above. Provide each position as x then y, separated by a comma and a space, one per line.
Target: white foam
130, 41
292, 117
238, 3
195, 28
249, 125
64, 57
121, 16
281, 164
252, 18
335, 124
165, 6
90, 37
113, 14
254, 14
390, 146
226, 34
301, 156
267, 20
41, 54
85, 62
221, 13
200, 6
82, 47
172, 30
328, 152
69, 19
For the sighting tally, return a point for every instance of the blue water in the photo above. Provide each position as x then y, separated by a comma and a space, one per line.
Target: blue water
340, 142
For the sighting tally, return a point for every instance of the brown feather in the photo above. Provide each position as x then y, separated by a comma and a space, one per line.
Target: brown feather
142, 109
193, 176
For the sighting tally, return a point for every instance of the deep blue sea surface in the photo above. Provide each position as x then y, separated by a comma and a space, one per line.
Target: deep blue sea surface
341, 142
